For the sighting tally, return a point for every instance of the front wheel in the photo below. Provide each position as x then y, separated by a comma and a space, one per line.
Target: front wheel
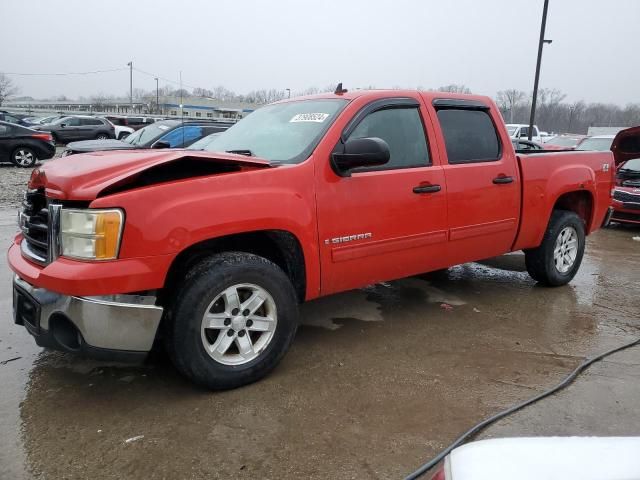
557, 260
24, 157
232, 321
102, 136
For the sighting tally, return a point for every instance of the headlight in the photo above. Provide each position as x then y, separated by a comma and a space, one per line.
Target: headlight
90, 234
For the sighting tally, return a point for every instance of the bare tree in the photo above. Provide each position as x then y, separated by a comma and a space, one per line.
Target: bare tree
454, 88
509, 100
7, 88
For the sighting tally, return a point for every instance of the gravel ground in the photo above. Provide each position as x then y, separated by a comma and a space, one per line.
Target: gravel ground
13, 184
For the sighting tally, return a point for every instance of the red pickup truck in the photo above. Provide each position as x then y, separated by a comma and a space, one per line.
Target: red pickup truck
212, 251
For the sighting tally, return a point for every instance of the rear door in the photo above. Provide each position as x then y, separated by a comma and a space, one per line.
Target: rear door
388, 221
482, 180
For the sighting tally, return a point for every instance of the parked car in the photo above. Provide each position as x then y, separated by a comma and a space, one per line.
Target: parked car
44, 120
132, 122
520, 130
14, 118
23, 146
597, 143
546, 136
164, 134
525, 145
564, 142
78, 127
548, 458
303, 198
121, 132
626, 196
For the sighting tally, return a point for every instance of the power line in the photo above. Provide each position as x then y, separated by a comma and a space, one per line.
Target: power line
62, 74
162, 78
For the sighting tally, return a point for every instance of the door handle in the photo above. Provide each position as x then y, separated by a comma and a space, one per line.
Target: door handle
502, 180
426, 189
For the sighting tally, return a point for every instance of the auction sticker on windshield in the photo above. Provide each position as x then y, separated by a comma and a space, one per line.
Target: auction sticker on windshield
309, 117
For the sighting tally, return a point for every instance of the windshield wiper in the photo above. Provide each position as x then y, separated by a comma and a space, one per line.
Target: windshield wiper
241, 151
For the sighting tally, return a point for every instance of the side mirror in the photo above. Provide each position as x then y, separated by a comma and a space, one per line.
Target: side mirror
62, 125
161, 144
360, 152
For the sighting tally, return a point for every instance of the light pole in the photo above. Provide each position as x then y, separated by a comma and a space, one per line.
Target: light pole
541, 43
289, 92
157, 96
130, 64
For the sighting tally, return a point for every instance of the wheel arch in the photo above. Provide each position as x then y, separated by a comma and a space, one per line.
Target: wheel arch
279, 246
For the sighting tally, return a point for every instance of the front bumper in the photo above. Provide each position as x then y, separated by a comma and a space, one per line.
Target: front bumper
121, 327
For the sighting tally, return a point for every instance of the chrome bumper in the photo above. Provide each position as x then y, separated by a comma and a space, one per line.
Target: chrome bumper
114, 322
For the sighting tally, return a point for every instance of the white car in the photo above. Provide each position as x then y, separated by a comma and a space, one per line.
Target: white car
120, 131
598, 143
521, 130
548, 458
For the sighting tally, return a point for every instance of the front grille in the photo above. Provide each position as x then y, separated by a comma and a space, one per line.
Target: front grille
34, 223
625, 216
623, 196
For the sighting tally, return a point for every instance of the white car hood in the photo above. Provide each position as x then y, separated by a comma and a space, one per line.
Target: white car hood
547, 458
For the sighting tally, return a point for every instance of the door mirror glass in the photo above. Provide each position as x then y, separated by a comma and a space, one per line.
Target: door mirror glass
161, 144
360, 152
62, 125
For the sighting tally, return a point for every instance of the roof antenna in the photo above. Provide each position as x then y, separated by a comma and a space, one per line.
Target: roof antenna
339, 90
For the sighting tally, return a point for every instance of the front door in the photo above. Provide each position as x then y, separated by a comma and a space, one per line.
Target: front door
483, 183
385, 222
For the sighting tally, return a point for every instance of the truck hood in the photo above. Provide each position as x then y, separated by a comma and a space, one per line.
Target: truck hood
99, 145
626, 145
88, 176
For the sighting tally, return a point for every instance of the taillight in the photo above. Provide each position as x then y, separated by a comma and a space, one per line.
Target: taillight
440, 475
43, 136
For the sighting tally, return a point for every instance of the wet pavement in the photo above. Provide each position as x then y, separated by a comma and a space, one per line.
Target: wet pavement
377, 381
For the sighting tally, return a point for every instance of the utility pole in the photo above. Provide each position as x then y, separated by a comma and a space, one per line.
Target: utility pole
130, 64
541, 43
289, 92
157, 97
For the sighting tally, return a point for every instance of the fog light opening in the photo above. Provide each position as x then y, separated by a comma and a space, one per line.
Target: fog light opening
65, 333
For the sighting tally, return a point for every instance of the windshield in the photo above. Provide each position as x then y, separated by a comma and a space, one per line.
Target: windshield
631, 166
146, 134
281, 133
598, 144
563, 141
204, 142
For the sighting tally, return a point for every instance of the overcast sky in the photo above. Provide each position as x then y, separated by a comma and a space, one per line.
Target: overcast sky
488, 45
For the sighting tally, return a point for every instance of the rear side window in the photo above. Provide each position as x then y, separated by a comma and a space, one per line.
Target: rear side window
470, 136
403, 131
90, 121
4, 130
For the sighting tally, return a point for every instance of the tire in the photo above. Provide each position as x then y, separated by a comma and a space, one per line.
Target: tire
102, 136
196, 350
24, 157
557, 260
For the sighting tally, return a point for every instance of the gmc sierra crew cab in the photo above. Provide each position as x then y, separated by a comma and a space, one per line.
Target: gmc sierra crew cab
211, 251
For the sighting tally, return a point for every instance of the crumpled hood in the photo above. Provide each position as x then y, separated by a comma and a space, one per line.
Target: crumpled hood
99, 145
84, 176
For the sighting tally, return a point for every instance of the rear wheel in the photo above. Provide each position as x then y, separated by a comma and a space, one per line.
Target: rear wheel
24, 157
557, 260
232, 321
